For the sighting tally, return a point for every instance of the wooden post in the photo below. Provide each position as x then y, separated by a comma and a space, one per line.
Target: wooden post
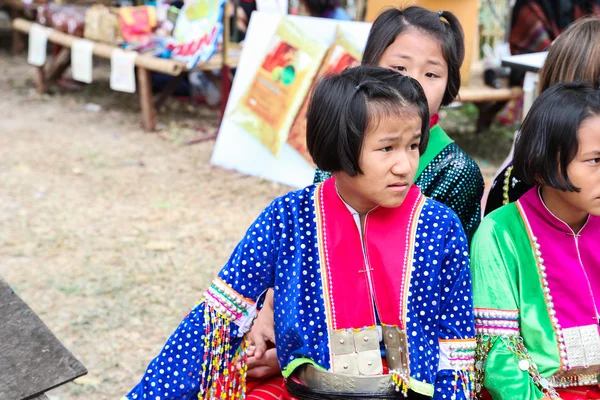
225, 88
146, 103
40, 80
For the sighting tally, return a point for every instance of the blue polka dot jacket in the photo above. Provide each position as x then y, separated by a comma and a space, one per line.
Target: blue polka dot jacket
406, 274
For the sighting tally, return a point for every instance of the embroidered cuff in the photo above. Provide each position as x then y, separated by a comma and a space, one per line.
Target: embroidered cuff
457, 354
496, 322
231, 304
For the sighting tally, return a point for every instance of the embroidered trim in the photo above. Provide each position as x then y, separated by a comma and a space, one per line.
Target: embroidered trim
515, 345
496, 322
583, 379
486, 312
295, 363
408, 257
537, 254
457, 354
325, 269
323, 262
403, 382
424, 388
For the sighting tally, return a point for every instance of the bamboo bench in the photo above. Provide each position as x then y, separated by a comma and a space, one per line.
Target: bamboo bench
144, 64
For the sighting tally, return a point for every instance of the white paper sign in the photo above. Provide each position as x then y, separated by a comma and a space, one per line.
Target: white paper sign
38, 40
81, 60
272, 6
122, 71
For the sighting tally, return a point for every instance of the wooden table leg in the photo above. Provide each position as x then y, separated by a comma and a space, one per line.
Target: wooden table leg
60, 63
18, 42
40, 80
146, 103
173, 84
225, 88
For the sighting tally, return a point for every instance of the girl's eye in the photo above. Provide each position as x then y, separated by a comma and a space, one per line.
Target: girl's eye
399, 68
387, 149
414, 146
431, 75
594, 161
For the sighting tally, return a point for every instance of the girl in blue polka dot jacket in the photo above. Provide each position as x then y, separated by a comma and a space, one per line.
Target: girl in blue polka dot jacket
372, 291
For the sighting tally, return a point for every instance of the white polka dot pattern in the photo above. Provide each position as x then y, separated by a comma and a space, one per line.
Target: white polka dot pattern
280, 250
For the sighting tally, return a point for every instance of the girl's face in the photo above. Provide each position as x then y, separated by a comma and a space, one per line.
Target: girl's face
584, 170
419, 55
389, 159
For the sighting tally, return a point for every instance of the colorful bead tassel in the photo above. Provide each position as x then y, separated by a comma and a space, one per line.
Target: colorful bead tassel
219, 378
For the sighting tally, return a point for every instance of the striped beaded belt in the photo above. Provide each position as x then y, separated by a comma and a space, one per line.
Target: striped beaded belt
318, 379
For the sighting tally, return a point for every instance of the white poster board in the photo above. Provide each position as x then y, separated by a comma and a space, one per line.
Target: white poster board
237, 149
272, 6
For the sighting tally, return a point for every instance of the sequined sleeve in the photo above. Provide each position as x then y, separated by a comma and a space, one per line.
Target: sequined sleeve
507, 187
502, 365
454, 179
195, 359
321, 176
455, 378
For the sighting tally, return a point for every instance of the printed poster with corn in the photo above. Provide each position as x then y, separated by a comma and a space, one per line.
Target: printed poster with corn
263, 131
279, 87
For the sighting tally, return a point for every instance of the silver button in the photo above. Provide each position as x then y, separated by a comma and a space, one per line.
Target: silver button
366, 339
345, 366
341, 341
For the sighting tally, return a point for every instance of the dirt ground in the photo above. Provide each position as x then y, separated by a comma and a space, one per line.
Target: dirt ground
110, 234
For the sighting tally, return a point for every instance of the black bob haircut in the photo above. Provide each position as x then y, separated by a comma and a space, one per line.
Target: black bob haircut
394, 21
345, 106
548, 140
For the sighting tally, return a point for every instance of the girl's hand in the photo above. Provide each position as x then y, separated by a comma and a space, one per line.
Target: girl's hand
263, 329
264, 367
